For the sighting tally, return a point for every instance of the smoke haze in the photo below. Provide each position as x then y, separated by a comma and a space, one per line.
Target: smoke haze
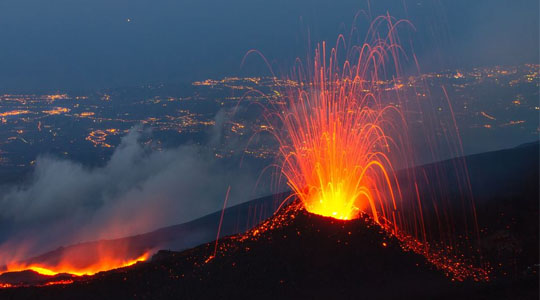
138, 190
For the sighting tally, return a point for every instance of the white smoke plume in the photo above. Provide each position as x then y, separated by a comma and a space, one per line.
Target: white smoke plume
136, 191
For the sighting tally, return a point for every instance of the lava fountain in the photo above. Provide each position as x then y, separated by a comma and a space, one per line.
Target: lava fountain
335, 154
337, 137
344, 137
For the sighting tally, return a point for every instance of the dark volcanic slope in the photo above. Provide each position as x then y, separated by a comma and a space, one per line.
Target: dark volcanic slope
303, 256
505, 187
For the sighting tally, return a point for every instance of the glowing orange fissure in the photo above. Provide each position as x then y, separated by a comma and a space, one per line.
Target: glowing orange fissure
104, 264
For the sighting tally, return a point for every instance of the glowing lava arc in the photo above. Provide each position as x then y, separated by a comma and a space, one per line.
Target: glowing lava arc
337, 161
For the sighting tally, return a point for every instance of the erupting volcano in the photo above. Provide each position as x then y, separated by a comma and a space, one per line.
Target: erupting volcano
363, 212
297, 254
342, 130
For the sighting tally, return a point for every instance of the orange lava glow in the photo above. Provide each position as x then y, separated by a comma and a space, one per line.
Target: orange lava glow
338, 163
103, 264
334, 142
59, 282
343, 130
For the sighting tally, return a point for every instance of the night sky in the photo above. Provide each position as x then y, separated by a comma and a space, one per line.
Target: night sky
88, 44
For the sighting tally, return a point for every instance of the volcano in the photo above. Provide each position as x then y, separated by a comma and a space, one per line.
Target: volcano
293, 254
296, 254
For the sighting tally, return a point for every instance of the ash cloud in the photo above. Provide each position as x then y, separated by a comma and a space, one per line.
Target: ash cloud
138, 190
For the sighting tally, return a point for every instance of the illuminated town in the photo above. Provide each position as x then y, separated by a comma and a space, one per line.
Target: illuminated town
487, 102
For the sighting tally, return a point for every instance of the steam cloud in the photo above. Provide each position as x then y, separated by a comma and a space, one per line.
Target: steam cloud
138, 190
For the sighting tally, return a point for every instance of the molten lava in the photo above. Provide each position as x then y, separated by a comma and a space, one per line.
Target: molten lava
343, 129
334, 139
336, 163
103, 263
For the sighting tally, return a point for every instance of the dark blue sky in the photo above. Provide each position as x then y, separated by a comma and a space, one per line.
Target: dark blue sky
74, 44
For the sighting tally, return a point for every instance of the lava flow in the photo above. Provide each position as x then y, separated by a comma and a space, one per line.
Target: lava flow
102, 264
64, 265
335, 154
